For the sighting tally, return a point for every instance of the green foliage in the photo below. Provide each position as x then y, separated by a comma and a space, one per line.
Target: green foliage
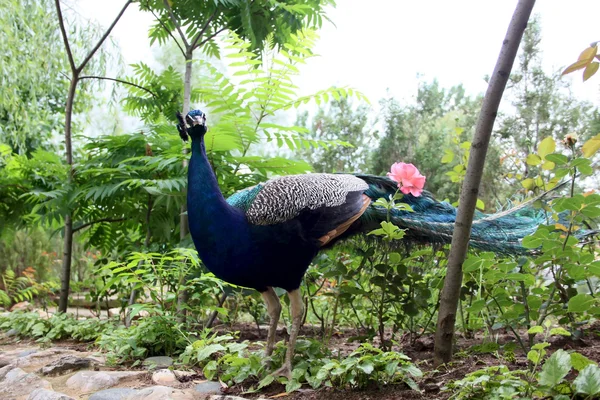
368, 365
551, 381
150, 336
59, 326
33, 88
262, 24
340, 120
20, 288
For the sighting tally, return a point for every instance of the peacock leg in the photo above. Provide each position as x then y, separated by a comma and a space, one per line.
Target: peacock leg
274, 310
297, 314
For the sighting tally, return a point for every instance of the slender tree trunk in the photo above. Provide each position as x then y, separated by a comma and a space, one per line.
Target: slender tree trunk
468, 197
65, 275
182, 297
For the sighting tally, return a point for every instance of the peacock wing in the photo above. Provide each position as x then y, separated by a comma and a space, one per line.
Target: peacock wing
325, 204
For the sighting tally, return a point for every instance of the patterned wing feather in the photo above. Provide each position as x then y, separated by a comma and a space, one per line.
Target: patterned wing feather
284, 198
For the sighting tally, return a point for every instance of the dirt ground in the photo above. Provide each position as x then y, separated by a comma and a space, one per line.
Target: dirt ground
421, 352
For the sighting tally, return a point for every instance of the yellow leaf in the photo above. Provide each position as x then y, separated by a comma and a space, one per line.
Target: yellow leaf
575, 66
546, 146
279, 395
588, 54
528, 184
591, 146
480, 204
548, 165
534, 159
590, 70
561, 227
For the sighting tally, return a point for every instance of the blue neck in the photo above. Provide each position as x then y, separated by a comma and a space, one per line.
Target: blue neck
214, 224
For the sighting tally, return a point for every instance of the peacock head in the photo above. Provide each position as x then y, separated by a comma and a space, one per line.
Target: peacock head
193, 125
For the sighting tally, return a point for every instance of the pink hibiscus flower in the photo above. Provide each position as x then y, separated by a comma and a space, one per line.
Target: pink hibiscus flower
408, 177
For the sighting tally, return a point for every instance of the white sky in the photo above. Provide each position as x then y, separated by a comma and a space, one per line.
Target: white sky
383, 44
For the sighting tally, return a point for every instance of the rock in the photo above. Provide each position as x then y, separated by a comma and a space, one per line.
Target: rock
27, 352
431, 387
113, 394
158, 362
164, 377
161, 393
45, 394
24, 305
424, 343
11, 332
5, 370
91, 381
225, 397
42, 313
19, 383
65, 365
8, 357
208, 387
41, 358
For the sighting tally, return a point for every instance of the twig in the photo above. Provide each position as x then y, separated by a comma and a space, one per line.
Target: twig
103, 38
166, 29
119, 81
177, 26
211, 36
63, 32
199, 35
80, 227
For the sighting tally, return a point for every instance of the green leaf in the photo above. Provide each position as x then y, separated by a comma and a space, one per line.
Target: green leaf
546, 146
579, 361
534, 356
555, 368
366, 367
533, 159
588, 381
207, 351
558, 159
535, 329
292, 386
580, 303
528, 184
560, 331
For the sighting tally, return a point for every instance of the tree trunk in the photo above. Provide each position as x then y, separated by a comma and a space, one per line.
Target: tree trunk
65, 276
182, 297
468, 197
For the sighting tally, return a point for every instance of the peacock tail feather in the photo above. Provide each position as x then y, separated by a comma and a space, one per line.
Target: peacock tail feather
433, 221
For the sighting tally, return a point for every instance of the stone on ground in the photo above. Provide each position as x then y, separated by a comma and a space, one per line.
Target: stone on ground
158, 362
161, 393
40, 358
66, 364
208, 387
19, 383
91, 381
45, 394
113, 394
164, 377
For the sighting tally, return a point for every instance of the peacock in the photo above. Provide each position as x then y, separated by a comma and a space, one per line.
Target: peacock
266, 236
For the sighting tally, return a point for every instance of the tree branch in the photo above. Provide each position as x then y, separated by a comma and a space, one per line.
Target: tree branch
166, 30
199, 35
177, 26
103, 38
80, 227
63, 32
120, 81
211, 36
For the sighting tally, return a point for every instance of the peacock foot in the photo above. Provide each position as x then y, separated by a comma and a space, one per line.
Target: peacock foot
285, 370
